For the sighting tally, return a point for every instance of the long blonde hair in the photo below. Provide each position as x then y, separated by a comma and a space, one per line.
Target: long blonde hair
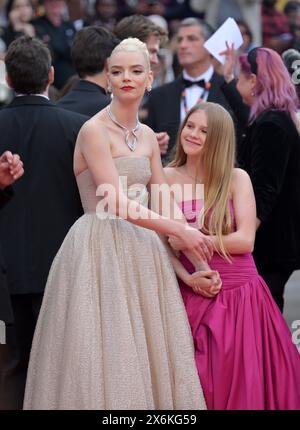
218, 159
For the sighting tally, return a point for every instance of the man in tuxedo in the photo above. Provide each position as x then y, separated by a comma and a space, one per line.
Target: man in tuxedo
46, 199
91, 48
168, 104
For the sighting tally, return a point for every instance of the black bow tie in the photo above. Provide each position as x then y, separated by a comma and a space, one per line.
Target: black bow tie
187, 83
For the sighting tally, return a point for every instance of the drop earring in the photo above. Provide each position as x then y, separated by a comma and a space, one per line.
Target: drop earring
109, 87
149, 88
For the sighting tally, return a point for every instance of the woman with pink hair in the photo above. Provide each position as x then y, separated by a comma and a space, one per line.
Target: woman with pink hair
270, 153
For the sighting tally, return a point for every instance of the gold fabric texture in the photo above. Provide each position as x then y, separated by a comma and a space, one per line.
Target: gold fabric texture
112, 332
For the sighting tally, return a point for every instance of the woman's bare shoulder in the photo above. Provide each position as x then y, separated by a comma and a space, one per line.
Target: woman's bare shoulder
148, 131
93, 124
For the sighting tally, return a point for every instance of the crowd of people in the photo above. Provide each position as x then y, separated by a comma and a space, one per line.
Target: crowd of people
148, 226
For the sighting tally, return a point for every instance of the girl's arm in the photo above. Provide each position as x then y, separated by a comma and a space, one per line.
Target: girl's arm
206, 282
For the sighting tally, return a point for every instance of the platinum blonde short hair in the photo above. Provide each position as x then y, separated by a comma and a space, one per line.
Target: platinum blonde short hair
132, 44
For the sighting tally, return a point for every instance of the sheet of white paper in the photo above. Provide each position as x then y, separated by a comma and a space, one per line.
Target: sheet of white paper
228, 32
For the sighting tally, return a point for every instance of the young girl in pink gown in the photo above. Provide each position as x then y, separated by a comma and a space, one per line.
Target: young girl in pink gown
243, 348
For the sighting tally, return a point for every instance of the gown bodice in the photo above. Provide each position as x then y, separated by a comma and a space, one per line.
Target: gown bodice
134, 173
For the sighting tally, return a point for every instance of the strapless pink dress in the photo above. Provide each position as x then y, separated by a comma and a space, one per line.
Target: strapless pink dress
243, 347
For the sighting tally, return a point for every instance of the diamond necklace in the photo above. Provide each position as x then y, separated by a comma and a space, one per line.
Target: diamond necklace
131, 144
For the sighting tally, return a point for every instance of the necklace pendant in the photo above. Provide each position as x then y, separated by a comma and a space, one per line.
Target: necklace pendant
131, 145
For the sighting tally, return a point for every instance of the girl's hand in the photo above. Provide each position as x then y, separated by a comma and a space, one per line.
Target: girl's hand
207, 283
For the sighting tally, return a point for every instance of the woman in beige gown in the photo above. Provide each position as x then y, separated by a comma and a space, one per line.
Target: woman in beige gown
113, 332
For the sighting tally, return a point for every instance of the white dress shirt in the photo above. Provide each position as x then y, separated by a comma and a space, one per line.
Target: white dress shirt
194, 92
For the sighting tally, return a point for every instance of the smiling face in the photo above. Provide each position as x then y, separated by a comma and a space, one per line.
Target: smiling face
129, 74
193, 135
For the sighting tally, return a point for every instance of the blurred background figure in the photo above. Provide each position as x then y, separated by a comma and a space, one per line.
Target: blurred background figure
163, 70
58, 34
19, 14
145, 30
106, 14
276, 30
247, 37
6, 93
215, 12
78, 12
292, 11
149, 7
3, 17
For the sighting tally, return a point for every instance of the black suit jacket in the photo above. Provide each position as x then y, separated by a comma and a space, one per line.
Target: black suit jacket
6, 313
270, 153
163, 107
86, 98
46, 199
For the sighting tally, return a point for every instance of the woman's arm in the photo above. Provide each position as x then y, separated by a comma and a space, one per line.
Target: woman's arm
163, 202
242, 240
239, 108
97, 155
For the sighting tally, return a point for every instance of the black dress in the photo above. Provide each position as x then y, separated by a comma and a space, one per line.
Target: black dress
270, 153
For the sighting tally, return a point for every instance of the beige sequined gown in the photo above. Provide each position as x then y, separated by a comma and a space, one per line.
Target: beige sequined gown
112, 332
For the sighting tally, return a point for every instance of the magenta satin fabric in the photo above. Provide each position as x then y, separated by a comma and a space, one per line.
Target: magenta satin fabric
243, 347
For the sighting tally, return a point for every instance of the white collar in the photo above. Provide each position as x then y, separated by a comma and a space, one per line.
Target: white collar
206, 75
39, 95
